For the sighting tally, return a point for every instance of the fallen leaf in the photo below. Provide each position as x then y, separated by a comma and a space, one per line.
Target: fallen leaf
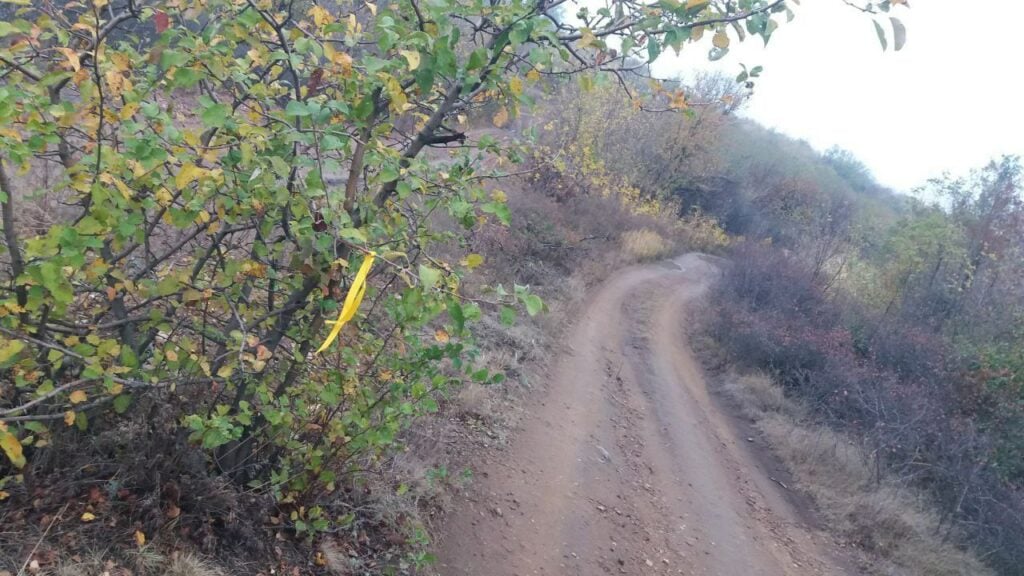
78, 396
140, 538
88, 517
501, 117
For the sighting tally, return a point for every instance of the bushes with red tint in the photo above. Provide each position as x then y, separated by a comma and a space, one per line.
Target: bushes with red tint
897, 386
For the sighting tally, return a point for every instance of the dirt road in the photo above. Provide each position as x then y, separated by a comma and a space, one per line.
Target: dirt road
627, 465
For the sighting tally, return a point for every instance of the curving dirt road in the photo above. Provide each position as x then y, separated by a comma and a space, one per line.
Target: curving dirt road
627, 466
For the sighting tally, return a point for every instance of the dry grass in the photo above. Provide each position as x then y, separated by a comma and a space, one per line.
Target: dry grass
645, 244
144, 562
892, 522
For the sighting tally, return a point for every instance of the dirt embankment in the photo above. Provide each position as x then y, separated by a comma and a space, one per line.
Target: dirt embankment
626, 465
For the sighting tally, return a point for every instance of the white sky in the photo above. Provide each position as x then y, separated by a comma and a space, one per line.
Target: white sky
951, 100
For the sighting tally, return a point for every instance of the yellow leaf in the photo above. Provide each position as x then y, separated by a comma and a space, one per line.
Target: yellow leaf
395, 93
372, 7
140, 538
163, 196
515, 85
678, 100
690, 4
413, 57
69, 417
225, 371
88, 517
4, 495
116, 388
12, 447
474, 260
123, 188
188, 173
78, 396
501, 118
128, 110
256, 56
339, 58
321, 17
10, 133
533, 75
721, 40
441, 336
588, 38
72, 56
117, 84
120, 61
352, 301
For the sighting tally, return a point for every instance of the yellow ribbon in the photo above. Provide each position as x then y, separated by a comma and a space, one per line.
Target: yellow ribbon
352, 301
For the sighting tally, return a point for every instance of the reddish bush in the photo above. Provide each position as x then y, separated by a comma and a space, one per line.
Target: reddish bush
897, 386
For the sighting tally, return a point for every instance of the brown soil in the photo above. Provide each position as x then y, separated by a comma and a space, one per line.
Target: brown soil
626, 464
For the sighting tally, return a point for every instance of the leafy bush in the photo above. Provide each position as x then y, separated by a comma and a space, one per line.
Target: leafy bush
224, 168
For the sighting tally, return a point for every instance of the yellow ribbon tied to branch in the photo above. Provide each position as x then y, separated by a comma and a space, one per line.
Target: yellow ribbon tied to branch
352, 301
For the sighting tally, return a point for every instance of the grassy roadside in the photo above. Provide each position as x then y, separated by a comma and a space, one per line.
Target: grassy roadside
894, 528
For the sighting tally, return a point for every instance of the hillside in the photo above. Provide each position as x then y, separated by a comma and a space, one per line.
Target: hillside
282, 282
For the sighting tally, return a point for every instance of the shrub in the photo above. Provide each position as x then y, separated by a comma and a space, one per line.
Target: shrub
896, 389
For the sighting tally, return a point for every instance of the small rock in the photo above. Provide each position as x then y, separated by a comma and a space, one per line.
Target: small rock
601, 508
648, 562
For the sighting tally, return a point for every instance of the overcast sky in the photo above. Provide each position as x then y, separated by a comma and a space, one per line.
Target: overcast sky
951, 100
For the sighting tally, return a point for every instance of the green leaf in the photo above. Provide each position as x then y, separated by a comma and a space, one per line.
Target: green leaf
215, 116
296, 108
429, 276
477, 59
122, 402
881, 35
429, 404
457, 315
508, 316
534, 305
653, 49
